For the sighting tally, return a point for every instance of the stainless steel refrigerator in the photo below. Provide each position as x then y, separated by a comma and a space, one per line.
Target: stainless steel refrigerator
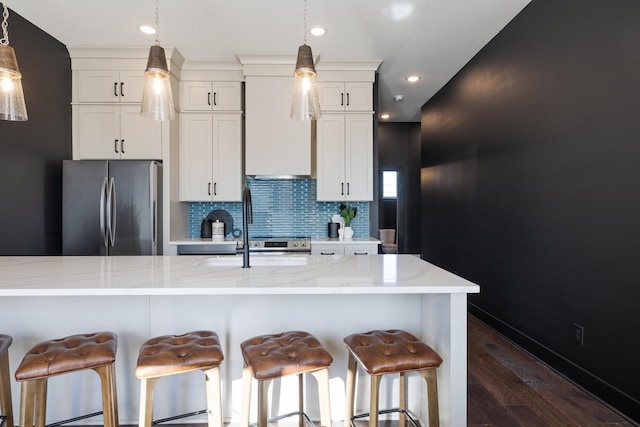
111, 207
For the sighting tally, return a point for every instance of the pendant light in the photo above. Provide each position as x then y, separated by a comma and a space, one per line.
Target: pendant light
157, 101
12, 106
305, 104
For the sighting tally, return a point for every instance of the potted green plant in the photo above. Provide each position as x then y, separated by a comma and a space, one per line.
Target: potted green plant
347, 213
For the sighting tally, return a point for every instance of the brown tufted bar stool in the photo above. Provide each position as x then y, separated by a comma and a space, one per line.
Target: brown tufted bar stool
6, 408
177, 354
268, 357
96, 351
390, 352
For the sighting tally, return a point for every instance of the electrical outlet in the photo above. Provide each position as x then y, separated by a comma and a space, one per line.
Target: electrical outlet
578, 333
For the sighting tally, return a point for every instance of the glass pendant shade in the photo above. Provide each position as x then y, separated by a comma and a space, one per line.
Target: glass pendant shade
305, 103
157, 100
12, 105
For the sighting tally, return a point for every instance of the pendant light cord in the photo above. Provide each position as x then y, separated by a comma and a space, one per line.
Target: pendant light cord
157, 25
305, 22
5, 33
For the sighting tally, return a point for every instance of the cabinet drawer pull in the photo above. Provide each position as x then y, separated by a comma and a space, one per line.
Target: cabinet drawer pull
361, 253
115, 88
327, 253
121, 89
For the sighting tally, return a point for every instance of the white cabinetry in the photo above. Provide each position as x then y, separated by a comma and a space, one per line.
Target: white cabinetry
344, 249
345, 96
345, 157
116, 132
211, 96
210, 156
110, 86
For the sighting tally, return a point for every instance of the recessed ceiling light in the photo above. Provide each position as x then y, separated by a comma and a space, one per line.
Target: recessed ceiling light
398, 98
147, 29
385, 116
317, 31
413, 79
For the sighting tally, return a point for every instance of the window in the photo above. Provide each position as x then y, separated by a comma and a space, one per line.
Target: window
390, 184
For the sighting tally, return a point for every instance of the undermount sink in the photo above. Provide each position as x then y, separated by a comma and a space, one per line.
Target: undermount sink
258, 261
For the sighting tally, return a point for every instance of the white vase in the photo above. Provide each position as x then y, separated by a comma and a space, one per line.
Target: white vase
348, 233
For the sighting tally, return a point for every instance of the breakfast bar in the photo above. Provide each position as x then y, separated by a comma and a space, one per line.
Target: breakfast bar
139, 297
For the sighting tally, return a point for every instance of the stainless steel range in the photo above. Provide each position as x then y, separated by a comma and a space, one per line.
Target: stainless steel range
287, 244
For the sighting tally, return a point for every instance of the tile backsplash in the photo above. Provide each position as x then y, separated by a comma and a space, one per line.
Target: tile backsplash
282, 208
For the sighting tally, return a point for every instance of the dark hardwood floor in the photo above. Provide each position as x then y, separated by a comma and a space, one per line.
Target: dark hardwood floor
509, 387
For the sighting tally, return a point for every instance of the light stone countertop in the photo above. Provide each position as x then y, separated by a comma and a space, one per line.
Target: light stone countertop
353, 241
223, 275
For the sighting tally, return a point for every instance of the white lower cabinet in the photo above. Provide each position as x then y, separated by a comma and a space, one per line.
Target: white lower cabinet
344, 249
211, 157
115, 132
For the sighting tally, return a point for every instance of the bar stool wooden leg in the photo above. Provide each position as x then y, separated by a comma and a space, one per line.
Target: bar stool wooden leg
403, 399
5, 390
263, 413
246, 396
109, 400
214, 397
351, 390
147, 387
430, 376
373, 404
322, 378
33, 403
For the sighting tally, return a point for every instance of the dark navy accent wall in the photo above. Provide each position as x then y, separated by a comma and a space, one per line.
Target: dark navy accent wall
31, 152
530, 177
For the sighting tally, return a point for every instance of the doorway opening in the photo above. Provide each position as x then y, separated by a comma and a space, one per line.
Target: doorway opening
388, 210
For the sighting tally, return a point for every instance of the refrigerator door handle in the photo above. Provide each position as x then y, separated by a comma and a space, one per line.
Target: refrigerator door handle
111, 211
103, 225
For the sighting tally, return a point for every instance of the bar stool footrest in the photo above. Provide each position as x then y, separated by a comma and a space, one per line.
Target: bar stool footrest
280, 417
178, 417
70, 420
386, 411
2, 418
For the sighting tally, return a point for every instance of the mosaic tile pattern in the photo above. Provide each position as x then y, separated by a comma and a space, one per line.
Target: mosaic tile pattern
282, 208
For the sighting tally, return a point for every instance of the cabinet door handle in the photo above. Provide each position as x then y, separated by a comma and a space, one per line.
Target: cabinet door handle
121, 89
347, 98
327, 253
342, 188
122, 146
115, 88
215, 102
209, 188
348, 191
215, 188
342, 98
208, 98
115, 145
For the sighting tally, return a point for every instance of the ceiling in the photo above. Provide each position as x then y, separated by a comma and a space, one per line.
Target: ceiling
430, 38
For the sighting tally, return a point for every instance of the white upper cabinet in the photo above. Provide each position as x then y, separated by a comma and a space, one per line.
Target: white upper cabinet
345, 157
211, 157
345, 96
211, 96
107, 86
116, 132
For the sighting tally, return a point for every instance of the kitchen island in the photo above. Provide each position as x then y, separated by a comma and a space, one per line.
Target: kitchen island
140, 297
